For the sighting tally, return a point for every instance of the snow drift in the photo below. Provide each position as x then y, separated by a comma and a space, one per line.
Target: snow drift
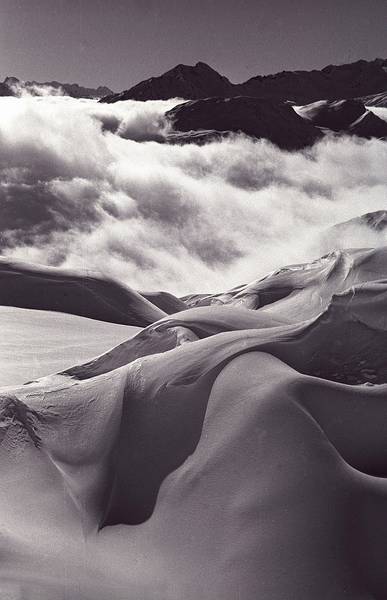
195, 459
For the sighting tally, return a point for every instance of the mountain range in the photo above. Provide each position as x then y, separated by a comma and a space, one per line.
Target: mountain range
292, 109
361, 78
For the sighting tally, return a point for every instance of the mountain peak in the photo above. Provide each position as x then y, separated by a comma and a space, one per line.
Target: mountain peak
203, 65
9, 80
182, 81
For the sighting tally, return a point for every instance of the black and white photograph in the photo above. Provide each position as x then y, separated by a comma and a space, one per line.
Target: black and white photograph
193, 300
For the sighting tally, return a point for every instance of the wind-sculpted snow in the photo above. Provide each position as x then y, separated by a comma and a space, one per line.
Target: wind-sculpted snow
79, 292
234, 449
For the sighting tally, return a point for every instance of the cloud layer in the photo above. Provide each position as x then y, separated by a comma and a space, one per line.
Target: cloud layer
26, 89
90, 185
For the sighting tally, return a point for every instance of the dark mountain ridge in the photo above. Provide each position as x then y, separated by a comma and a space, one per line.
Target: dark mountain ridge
332, 82
360, 78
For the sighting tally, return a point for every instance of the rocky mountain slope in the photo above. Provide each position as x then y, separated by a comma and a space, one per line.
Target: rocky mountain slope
289, 127
344, 116
377, 100
260, 118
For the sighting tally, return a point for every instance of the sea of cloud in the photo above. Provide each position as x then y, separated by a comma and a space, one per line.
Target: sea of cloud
26, 89
93, 185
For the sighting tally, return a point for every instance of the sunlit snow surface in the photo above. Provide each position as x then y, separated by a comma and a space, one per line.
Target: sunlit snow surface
35, 343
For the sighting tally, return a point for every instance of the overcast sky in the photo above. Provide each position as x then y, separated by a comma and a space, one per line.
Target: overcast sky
120, 42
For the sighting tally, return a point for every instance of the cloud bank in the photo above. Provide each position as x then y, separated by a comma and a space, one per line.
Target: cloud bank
91, 185
27, 89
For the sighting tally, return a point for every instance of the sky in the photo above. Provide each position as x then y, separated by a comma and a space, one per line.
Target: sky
121, 42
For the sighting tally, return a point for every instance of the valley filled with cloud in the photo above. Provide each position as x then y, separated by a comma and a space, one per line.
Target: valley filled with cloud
97, 186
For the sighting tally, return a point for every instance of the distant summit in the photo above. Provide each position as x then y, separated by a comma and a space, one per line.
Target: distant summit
12, 86
183, 81
361, 78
